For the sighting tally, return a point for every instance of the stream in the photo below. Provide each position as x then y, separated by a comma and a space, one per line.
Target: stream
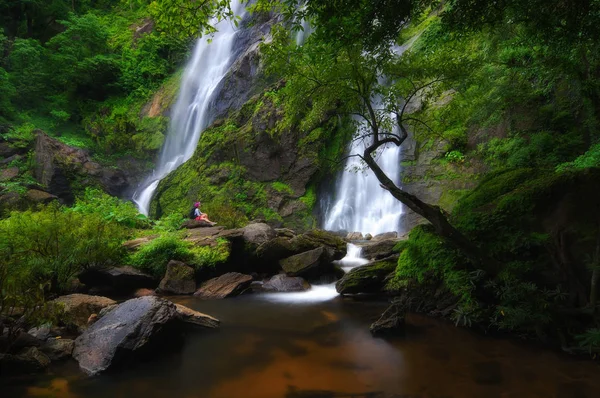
268, 347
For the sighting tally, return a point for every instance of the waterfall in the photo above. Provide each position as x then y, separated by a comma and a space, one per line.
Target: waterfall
211, 59
359, 203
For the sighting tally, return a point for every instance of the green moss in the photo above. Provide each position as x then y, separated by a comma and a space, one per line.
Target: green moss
282, 187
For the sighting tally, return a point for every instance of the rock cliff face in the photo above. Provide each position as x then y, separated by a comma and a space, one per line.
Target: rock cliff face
251, 165
60, 167
433, 179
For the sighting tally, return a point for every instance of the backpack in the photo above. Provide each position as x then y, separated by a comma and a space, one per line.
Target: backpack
193, 213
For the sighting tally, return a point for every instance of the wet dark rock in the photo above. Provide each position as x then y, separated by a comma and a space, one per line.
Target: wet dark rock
119, 280
279, 248
258, 233
127, 330
391, 321
58, 349
312, 263
179, 279
77, 308
30, 360
285, 232
227, 285
188, 315
378, 249
284, 283
369, 278
42, 332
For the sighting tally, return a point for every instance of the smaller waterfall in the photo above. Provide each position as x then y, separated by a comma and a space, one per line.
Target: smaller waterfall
360, 204
353, 258
210, 61
318, 293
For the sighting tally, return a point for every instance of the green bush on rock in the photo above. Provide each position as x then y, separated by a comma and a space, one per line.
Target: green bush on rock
154, 256
53, 245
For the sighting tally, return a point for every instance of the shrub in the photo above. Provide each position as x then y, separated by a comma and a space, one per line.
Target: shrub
53, 245
154, 256
110, 208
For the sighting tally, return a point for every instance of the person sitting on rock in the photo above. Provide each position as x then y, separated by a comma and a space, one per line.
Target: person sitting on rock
199, 216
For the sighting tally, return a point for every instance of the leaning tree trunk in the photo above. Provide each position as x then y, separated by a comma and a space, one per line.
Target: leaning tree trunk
431, 213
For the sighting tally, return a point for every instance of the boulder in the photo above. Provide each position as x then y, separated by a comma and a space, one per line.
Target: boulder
179, 279
369, 278
385, 236
42, 332
58, 166
258, 233
279, 248
312, 263
191, 224
354, 236
12, 158
57, 349
227, 285
391, 321
9, 174
378, 249
77, 308
119, 280
30, 360
368, 237
285, 232
125, 331
188, 315
37, 196
284, 283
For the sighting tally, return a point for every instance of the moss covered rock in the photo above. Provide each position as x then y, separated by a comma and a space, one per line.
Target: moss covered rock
179, 279
368, 278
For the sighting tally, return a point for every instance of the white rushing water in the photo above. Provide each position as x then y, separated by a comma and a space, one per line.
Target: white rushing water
319, 293
210, 62
360, 204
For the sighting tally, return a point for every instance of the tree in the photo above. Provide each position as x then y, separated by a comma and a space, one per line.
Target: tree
186, 18
348, 78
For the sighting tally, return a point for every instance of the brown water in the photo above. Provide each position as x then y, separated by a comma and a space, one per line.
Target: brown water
268, 349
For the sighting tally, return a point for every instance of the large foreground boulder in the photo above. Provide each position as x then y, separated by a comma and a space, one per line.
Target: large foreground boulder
228, 285
284, 283
77, 308
123, 332
369, 278
179, 279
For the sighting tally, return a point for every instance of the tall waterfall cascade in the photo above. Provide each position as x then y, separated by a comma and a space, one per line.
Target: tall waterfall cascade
211, 59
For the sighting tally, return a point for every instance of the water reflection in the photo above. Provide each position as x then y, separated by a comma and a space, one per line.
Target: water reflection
274, 350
